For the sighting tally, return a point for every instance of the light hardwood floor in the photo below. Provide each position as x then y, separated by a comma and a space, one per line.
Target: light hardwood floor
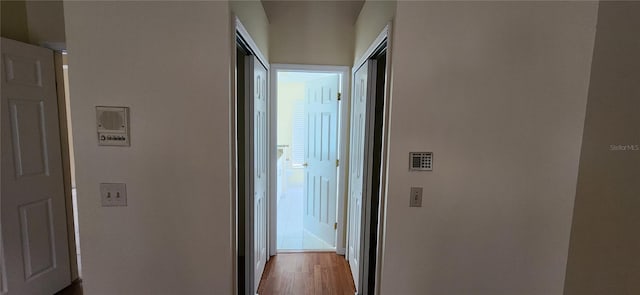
305, 274
293, 273
74, 289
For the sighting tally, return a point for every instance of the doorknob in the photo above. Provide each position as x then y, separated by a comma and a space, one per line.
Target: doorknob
305, 164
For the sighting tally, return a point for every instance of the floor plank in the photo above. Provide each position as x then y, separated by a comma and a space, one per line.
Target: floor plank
74, 289
321, 273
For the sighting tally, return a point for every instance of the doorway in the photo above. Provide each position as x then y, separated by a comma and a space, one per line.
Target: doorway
369, 149
307, 157
317, 115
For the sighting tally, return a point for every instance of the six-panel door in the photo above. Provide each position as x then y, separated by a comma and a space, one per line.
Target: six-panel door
356, 165
34, 230
321, 155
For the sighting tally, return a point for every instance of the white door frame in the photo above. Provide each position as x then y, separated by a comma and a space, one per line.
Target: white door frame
3, 270
238, 29
384, 36
342, 151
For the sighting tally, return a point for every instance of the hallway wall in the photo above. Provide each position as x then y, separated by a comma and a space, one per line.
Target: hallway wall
170, 63
311, 32
498, 91
14, 20
39, 23
254, 19
46, 23
373, 17
605, 239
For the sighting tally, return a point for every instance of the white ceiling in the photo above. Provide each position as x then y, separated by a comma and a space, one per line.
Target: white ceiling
348, 8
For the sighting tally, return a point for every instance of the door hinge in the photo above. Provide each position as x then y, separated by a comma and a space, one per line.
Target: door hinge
339, 96
337, 162
335, 226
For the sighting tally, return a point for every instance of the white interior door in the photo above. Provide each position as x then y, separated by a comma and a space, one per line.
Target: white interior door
357, 175
34, 229
257, 179
321, 155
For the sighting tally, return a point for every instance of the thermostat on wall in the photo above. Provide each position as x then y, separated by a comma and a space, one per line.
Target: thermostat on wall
421, 161
113, 126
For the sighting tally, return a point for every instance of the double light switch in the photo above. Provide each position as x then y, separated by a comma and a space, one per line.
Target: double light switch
113, 194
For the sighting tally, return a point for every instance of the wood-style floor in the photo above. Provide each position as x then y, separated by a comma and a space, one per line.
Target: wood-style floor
293, 273
305, 274
74, 289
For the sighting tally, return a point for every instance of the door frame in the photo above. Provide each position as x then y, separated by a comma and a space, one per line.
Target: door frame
3, 270
342, 151
384, 39
239, 31
65, 148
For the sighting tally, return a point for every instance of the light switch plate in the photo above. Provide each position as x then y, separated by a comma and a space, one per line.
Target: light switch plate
113, 194
416, 197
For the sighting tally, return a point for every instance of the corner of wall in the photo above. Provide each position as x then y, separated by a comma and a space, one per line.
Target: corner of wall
254, 18
373, 17
603, 256
14, 20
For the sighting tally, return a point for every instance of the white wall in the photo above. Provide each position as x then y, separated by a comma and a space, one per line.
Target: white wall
604, 257
311, 32
254, 19
14, 20
497, 90
170, 63
36, 22
46, 23
373, 17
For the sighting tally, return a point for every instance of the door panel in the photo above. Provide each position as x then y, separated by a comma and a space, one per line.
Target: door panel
23, 70
257, 162
357, 190
321, 155
34, 229
28, 135
37, 236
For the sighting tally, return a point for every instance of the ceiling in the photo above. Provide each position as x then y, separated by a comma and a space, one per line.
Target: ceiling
348, 9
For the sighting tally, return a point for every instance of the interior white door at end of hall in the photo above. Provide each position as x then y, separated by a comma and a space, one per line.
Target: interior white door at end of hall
321, 156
